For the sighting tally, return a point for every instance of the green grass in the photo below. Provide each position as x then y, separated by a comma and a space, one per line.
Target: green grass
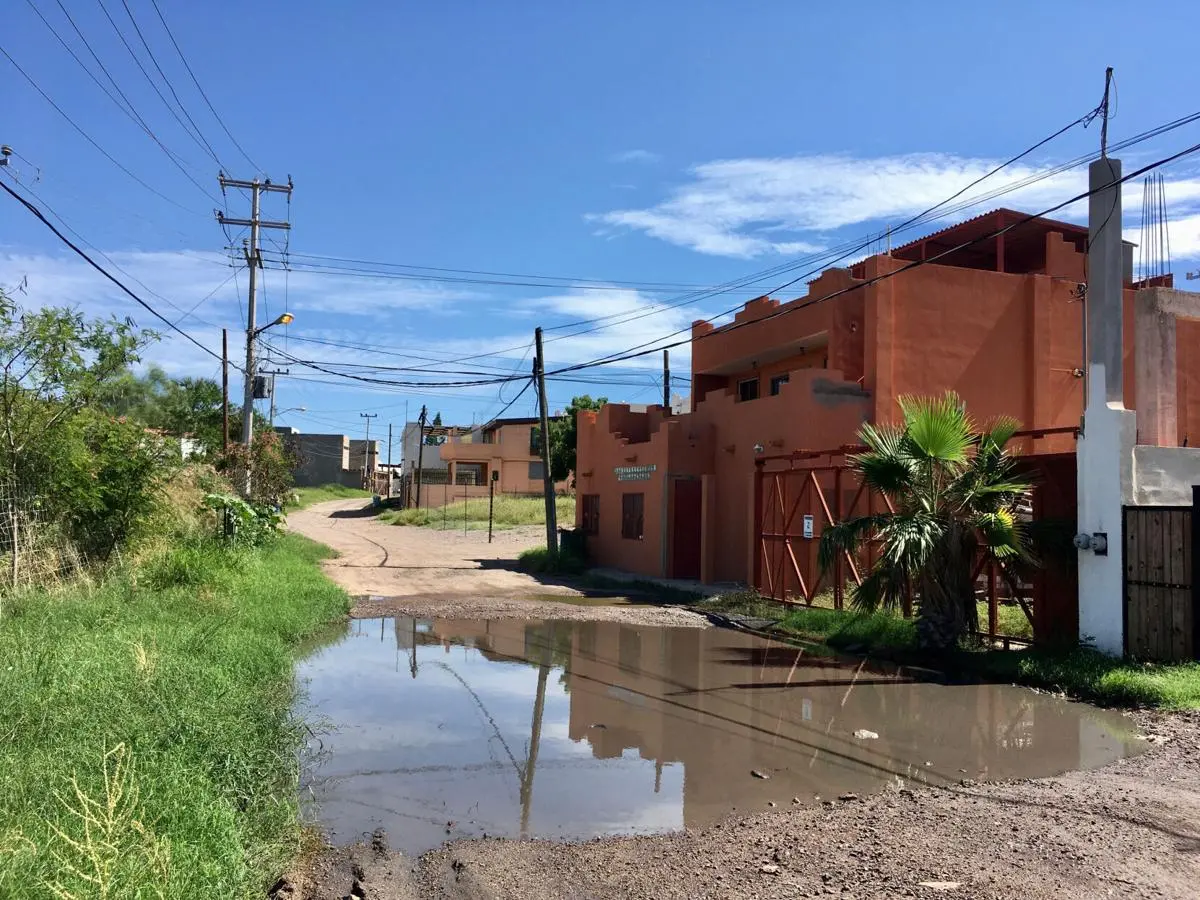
510, 512
1079, 672
539, 562
147, 727
310, 495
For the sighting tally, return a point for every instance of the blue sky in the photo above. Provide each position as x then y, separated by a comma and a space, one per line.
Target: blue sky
633, 145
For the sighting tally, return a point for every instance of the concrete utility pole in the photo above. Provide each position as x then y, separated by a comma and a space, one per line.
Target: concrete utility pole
539, 372
667, 382
254, 263
273, 373
367, 448
1104, 452
224, 391
420, 450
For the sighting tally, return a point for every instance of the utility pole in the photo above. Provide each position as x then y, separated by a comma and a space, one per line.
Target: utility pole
667, 382
1104, 113
273, 373
420, 450
224, 392
254, 263
367, 448
539, 372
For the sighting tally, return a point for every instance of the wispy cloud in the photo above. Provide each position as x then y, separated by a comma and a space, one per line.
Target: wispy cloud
760, 206
636, 156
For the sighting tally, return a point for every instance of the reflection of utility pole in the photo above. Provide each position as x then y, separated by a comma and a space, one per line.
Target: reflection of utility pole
412, 661
535, 736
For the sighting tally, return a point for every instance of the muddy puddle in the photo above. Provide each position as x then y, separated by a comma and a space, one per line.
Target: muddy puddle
568, 730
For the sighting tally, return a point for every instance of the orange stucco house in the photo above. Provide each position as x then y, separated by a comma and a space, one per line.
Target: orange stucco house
999, 321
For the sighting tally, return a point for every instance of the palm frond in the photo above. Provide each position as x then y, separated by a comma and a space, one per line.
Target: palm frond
847, 537
998, 431
885, 587
937, 429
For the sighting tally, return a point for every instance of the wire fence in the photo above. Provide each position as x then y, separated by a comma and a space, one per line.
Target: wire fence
33, 550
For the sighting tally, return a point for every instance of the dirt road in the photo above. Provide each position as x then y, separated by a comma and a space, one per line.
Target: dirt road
1130, 830
395, 570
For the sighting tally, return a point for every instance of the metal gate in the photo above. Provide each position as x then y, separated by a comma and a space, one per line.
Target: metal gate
798, 495
1160, 597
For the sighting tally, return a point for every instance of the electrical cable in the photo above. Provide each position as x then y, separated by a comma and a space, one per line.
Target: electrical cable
154, 86
93, 142
170, 87
196, 81
95, 265
870, 281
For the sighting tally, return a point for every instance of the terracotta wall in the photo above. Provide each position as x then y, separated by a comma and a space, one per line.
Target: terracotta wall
1008, 344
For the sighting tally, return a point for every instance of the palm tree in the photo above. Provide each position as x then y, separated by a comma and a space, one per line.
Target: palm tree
955, 490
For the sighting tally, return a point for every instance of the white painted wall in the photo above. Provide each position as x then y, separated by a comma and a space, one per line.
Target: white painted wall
1105, 482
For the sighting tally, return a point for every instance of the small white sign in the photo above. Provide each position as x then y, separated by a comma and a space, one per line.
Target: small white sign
808, 527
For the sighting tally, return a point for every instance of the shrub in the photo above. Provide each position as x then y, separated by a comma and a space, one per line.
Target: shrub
246, 524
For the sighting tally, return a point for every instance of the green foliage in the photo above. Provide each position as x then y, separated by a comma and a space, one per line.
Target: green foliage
244, 524
177, 406
437, 420
564, 436
148, 728
272, 463
954, 489
307, 496
538, 561
68, 468
509, 512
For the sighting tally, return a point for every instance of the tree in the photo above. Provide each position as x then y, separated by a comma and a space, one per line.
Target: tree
182, 406
53, 364
564, 436
437, 420
955, 490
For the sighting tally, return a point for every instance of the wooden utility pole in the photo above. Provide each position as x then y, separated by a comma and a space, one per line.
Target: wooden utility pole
420, 450
539, 372
224, 392
667, 382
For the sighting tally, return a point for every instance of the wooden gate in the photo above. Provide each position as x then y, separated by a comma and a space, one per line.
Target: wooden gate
1160, 603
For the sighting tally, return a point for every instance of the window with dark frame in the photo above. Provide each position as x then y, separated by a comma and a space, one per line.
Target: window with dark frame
537, 472
591, 513
747, 390
777, 383
535, 440
633, 521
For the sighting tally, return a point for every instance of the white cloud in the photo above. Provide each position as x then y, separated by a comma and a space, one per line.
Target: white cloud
753, 207
636, 156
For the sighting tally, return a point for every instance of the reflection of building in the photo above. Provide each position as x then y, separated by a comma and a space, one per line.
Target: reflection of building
724, 704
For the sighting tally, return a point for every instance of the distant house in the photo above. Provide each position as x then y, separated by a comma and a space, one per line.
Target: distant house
458, 462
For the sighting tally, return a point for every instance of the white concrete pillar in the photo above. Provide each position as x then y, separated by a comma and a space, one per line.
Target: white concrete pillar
1104, 457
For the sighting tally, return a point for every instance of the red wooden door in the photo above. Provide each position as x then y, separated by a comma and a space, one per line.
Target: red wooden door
685, 528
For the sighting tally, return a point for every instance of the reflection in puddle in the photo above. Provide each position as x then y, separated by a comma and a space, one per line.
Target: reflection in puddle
574, 729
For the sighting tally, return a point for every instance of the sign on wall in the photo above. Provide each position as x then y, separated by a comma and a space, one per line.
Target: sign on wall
808, 527
635, 473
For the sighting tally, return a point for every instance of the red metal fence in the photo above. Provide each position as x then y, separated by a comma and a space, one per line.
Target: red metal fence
798, 495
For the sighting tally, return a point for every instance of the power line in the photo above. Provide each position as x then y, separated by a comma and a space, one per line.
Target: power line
199, 141
875, 280
167, 82
93, 142
95, 265
119, 268
196, 82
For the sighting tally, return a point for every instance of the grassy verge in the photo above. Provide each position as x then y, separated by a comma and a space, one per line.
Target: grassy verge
538, 561
1078, 672
149, 747
307, 496
509, 512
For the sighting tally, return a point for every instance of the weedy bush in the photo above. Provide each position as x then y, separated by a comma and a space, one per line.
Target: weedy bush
242, 523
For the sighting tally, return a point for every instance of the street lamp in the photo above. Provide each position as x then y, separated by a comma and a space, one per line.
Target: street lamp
285, 319
282, 411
